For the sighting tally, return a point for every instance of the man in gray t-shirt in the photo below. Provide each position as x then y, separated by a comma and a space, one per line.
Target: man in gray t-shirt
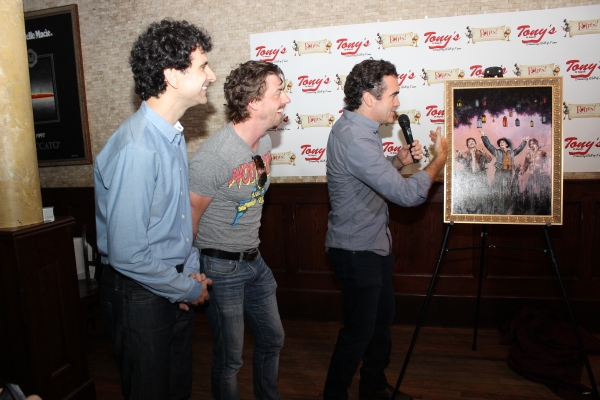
229, 176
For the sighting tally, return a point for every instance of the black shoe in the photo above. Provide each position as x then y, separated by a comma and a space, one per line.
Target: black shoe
383, 394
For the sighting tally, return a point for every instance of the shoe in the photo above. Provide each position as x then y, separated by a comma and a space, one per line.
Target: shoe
383, 394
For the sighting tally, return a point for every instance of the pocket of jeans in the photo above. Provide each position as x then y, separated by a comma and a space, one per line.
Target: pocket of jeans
219, 266
141, 296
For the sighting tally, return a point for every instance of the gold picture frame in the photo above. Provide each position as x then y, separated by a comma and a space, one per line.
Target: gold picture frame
504, 162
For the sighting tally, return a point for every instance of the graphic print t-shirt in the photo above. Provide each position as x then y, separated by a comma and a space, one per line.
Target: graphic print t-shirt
223, 169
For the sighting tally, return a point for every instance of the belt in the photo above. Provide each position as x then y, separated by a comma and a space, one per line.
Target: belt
178, 267
249, 255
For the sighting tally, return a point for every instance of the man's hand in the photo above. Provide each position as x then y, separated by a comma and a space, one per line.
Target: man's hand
440, 143
406, 153
440, 146
482, 132
200, 278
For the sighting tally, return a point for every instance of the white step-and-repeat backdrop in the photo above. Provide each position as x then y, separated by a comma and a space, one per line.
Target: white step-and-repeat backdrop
563, 42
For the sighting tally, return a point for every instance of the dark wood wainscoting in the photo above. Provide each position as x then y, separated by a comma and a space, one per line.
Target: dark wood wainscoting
293, 235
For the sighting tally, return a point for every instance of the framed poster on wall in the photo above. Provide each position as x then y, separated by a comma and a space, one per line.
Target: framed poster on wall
57, 87
504, 161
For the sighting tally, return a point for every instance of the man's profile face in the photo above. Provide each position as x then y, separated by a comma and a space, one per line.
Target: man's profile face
471, 143
270, 107
196, 79
384, 110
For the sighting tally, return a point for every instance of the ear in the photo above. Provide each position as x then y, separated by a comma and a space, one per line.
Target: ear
253, 105
367, 99
172, 77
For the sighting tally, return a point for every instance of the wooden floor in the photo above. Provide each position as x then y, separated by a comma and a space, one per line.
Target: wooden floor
442, 366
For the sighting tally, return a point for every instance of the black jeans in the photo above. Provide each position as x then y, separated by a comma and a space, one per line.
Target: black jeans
152, 339
369, 307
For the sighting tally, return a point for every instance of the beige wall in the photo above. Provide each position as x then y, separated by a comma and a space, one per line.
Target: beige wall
109, 27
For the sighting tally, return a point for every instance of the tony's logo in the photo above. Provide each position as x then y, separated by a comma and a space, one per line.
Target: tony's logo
402, 77
347, 47
312, 153
390, 148
579, 70
477, 70
269, 55
311, 84
579, 148
530, 35
436, 41
436, 115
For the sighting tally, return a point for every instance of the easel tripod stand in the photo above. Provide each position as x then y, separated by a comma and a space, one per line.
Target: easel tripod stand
482, 248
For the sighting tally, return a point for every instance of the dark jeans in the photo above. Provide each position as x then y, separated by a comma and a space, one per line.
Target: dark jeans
152, 339
369, 307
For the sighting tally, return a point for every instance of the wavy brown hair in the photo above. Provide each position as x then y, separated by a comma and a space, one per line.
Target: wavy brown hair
165, 44
247, 83
367, 76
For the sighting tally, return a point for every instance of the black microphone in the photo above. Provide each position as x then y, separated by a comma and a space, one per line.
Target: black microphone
405, 126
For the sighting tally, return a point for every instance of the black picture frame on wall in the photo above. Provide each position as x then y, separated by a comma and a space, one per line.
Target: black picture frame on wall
57, 87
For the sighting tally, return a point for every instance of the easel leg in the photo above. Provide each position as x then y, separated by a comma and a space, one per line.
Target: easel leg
481, 261
577, 335
418, 327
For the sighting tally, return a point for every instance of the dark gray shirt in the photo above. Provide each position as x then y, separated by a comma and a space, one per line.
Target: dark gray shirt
360, 179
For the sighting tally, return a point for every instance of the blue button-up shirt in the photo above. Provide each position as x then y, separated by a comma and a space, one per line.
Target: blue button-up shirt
360, 179
143, 213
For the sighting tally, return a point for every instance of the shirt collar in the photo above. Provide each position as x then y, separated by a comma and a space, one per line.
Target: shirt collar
170, 132
362, 120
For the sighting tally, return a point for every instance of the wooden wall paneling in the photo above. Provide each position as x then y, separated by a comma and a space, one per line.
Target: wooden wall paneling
46, 330
293, 233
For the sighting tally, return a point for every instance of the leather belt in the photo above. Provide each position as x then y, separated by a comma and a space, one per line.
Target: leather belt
249, 255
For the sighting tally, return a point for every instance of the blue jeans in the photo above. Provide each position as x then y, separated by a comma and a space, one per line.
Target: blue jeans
241, 290
152, 339
369, 308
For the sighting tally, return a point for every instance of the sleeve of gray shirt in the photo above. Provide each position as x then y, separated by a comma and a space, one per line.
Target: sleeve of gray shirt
366, 161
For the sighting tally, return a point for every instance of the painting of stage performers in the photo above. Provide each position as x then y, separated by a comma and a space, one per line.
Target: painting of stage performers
504, 163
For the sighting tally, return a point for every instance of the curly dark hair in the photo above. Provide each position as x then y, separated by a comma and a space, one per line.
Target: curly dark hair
367, 76
247, 83
534, 140
165, 44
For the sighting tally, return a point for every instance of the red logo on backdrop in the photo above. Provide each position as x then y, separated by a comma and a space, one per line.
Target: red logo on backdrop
269, 54
477, 70
436, 115
579, 70
531, 35
391, 148
402, 77
311, 84
579, 148
436, 41
348, 48
286, 118
312, 153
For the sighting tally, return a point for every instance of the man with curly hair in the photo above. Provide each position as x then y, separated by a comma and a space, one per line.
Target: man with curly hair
144, 220
360, 180
229, 176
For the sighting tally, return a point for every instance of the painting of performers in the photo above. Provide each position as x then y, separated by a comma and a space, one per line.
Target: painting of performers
504, 160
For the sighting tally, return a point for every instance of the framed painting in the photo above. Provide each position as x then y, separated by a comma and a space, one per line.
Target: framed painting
57, 87
504, 162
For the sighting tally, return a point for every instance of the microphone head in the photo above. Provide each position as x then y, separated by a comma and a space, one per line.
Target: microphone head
403, 120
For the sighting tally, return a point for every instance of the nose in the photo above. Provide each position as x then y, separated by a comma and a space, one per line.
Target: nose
210, 75
397, 101
286, 98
